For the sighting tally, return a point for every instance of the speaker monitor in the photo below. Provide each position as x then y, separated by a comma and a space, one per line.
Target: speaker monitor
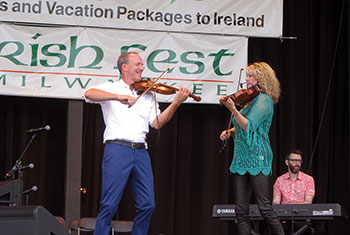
9, 191
33, 220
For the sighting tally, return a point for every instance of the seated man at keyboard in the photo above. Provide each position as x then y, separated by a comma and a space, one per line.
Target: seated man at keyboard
293, 187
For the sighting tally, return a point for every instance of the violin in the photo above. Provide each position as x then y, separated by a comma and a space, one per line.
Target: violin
243, 96
160, 88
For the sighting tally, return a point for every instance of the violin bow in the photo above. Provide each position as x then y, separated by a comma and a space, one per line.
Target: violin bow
154, 82
224, 142
239, 80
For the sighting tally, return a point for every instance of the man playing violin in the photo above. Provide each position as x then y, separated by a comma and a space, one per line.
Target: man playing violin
252, 160
125, 158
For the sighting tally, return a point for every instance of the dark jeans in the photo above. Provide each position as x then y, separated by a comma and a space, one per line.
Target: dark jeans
244, 186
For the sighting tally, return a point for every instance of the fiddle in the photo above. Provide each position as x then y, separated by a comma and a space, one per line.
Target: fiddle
161, 88
243, 96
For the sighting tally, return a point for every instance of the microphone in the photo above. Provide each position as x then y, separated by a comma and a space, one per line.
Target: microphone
45, 128
32, 189
31, 165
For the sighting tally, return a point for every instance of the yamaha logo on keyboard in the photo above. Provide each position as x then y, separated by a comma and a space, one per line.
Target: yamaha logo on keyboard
225, 211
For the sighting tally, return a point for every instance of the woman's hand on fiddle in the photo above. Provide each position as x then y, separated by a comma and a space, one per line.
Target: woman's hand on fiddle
222, 99
230, 104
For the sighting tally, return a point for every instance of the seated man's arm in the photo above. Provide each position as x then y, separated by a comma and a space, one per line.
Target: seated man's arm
276, 199
310, 193
277, 192
308, 199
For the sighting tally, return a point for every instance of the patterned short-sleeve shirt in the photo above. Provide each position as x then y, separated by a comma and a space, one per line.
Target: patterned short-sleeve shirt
294, 191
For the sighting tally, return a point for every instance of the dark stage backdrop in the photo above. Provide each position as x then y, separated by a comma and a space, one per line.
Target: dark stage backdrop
190, 176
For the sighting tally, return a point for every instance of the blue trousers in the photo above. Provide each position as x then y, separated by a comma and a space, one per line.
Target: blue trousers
122, 164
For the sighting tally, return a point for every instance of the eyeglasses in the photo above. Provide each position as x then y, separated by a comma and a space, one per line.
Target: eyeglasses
295, 160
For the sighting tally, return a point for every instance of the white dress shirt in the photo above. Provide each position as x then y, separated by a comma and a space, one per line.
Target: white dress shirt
131, 124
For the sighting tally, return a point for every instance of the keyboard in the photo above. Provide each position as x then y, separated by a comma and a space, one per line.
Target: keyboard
321, 211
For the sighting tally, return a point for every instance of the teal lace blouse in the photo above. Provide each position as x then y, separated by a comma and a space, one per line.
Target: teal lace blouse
252, 151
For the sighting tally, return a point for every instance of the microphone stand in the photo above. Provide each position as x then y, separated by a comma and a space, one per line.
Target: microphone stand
224, 143
18, 165
27, 199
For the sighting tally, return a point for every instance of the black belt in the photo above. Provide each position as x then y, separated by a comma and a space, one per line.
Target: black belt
133, 145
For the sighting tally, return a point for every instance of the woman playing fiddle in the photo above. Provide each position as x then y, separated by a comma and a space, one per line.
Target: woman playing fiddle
252, 160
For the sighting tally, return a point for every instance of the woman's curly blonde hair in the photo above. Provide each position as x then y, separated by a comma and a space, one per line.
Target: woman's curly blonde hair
266, 77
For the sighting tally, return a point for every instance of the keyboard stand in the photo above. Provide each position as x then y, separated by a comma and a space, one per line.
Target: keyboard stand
306, 226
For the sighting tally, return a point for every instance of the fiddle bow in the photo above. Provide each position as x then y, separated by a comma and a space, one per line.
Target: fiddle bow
224, 142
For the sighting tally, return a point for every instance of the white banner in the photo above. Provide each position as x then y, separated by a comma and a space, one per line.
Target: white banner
259, 18
64, 62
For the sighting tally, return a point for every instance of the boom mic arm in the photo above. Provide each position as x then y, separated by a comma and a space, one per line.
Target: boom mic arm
45, 128
32, 189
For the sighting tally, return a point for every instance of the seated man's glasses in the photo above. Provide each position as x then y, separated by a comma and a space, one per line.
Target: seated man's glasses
295, 160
